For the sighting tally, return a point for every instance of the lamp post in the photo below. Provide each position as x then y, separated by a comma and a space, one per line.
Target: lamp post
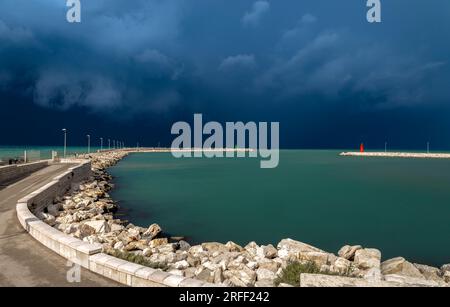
101, 144
65, 141
109, 144
114, 144
428, 147
89, 143
385, 147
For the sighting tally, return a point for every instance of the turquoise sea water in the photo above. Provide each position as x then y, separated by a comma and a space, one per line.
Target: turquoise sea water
44, 152
401, 206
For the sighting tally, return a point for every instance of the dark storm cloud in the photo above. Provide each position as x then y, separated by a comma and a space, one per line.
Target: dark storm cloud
109, 61
260, 59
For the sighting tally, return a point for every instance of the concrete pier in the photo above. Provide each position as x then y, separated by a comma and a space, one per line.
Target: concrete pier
398, 155
23, 260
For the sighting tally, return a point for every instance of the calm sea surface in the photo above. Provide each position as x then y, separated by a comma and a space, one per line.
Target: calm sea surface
401, 206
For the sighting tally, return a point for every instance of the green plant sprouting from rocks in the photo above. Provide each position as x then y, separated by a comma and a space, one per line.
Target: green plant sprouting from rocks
291, 273
135, 258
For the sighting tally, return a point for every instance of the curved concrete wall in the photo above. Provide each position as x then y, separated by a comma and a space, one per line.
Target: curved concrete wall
89, 256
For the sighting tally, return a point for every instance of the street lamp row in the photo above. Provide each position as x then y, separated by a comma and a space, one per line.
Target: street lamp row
115, 144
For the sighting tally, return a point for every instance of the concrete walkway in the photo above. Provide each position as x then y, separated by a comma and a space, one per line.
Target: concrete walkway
23, 260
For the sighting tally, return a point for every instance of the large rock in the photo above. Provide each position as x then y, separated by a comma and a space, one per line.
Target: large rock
69, 204
193, 261
82, 216
341, 265
82, 203
166, 258
190, 272
243, 277
265, 274
288, 248
233, 247
70, 228
183, 245
269, 265
400, 266
348, 252
429, 272
445, 272
93, 227
319, 258
197, 251
218, 276
213, 247
237, 262
445, 268
267, 251
210, 265
253, 265
264, 283
147, 252
167, 248
134, 234
116, 227
407, 281
119, 245
152, 232
48, 219
141, 244
446, 276
284, 285
124, 237
373, 275
320, 280
252, 248
367, 258
205, 275
224, 259
181, 265
158, 242
136, 245
53, 209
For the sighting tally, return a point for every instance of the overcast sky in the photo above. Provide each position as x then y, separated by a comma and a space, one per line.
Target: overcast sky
132, 68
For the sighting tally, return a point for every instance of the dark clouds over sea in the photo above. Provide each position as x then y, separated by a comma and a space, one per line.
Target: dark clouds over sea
132, 68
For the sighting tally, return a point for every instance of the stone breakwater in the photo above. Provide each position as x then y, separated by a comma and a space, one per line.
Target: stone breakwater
397, 155
87, 213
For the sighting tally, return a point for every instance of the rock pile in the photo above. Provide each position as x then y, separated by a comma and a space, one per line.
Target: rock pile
87, 213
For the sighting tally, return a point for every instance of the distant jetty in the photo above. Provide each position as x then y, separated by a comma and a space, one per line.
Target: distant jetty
398, 155
153, 150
